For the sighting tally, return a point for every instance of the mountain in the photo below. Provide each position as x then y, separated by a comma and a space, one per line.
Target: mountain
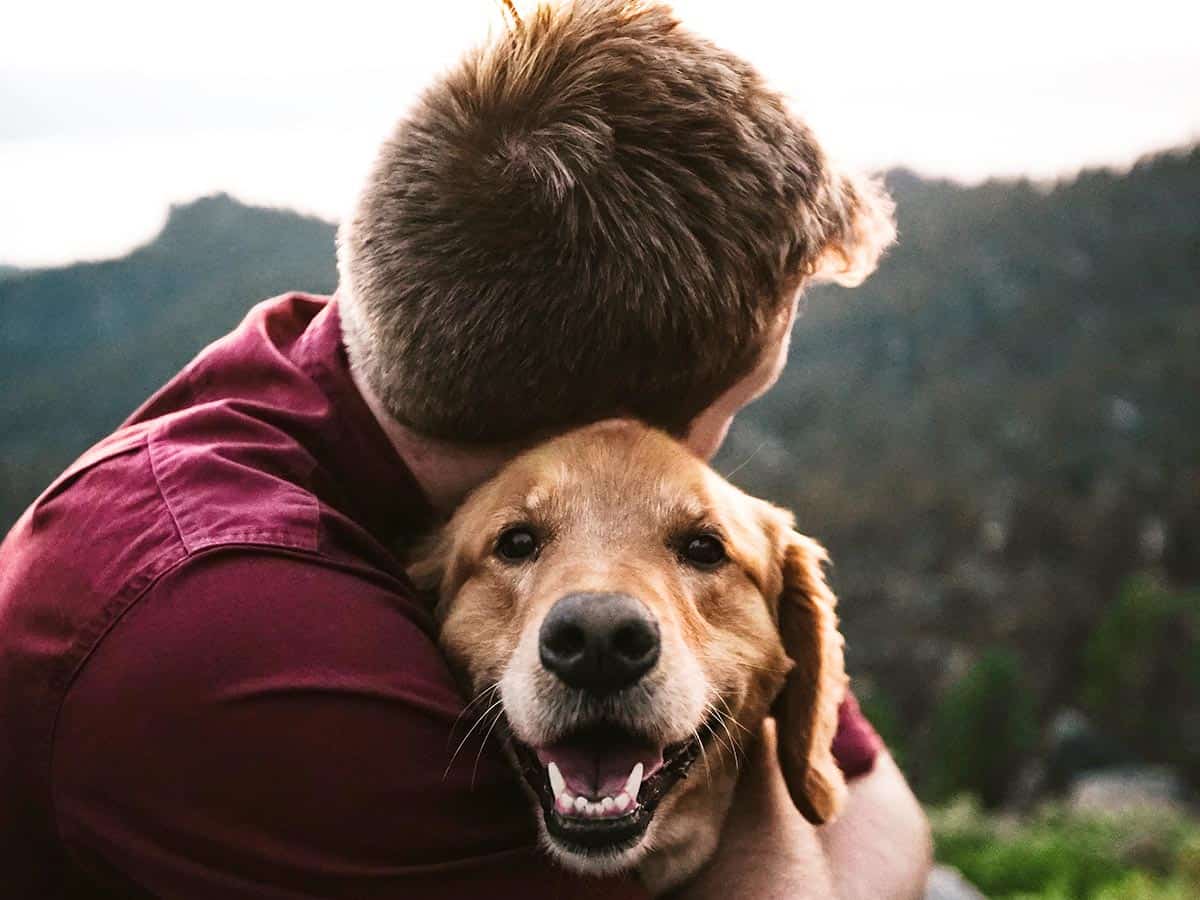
81, 346
997, 431
992, 435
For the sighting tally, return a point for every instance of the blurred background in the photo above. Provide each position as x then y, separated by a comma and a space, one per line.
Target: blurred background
998, 435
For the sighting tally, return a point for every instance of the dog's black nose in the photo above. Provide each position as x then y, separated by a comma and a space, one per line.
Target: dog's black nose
599, 643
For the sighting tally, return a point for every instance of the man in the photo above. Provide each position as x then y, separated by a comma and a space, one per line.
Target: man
215, 679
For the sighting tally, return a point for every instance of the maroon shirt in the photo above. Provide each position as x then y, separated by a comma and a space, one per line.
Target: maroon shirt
215, 679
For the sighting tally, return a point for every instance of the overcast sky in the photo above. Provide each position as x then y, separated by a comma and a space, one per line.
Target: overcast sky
111, 111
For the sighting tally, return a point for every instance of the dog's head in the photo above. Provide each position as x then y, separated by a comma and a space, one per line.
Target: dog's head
636, 614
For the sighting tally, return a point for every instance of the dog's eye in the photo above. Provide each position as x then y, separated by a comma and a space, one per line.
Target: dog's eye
705, 551
516, 544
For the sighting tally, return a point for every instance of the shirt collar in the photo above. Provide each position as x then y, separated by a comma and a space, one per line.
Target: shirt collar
383, 493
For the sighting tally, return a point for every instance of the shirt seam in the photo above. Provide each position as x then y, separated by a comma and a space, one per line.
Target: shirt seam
81, 650
162, 494
304, 536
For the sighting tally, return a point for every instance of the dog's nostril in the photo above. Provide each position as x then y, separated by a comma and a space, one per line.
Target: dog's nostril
634, 640
566, 641
599, 643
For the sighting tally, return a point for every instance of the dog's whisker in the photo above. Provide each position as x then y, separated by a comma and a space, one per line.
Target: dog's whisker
482, 695
483, 743
723, 719
725, 749
712, 714
740, 726
729, 716
732, 743
745, 462
457, 749
772, 670
704, 754
463, 713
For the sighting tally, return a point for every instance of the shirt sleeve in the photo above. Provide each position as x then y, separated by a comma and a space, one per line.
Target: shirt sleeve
263, 725
856, 744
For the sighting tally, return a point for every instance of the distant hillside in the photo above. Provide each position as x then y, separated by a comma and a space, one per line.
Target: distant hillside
991, 434
82, 346
998, 428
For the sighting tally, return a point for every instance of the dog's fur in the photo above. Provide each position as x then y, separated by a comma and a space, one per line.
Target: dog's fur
610, 504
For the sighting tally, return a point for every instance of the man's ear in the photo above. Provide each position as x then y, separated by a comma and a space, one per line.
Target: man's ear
807, 708
859, 223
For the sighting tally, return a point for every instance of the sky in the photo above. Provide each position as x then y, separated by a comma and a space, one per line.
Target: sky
110, 112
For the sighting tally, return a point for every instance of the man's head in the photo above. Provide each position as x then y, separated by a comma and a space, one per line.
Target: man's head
595, 214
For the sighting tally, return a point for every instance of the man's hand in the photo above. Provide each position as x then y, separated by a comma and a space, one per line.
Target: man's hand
879, 848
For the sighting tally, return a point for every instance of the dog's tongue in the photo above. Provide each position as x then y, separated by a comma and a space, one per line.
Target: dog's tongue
599, 766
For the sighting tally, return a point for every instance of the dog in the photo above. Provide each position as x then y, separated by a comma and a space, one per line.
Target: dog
634, 618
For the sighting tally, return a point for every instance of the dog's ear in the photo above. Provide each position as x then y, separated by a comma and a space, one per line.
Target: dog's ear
807, 708
858, 222
426, 564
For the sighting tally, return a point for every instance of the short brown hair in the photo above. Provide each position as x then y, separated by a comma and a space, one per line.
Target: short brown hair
596, 213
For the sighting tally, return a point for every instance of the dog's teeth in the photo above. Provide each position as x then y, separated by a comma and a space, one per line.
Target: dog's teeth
635, 781
567, 804
558, 784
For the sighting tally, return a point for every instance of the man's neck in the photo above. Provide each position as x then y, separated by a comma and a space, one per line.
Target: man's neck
444, 470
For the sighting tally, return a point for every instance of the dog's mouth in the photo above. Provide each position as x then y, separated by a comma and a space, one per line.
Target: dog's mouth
600, 785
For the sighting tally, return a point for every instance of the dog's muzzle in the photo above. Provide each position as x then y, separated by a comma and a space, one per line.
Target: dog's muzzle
600, 782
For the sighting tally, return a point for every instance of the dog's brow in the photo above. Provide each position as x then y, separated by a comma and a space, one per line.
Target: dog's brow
535, 498
691, 509
509, 517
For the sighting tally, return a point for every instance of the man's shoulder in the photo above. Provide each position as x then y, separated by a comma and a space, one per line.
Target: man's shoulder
260, 441
225, 438
101, 522
226, 475
172, 487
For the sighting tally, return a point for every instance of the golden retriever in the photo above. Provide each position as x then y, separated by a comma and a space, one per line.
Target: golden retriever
637, 617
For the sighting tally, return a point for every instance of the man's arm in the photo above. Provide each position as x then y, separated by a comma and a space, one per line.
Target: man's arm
263, 725
879, 848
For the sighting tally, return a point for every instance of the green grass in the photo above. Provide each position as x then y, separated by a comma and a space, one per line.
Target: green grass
1056, 856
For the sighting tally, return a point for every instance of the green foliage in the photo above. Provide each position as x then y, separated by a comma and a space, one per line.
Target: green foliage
1142, 671
1140, 886
881, 711
983, 729
1054, 856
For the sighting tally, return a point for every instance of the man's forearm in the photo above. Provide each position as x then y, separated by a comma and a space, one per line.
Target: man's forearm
786, 861
880, 848
767, 848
